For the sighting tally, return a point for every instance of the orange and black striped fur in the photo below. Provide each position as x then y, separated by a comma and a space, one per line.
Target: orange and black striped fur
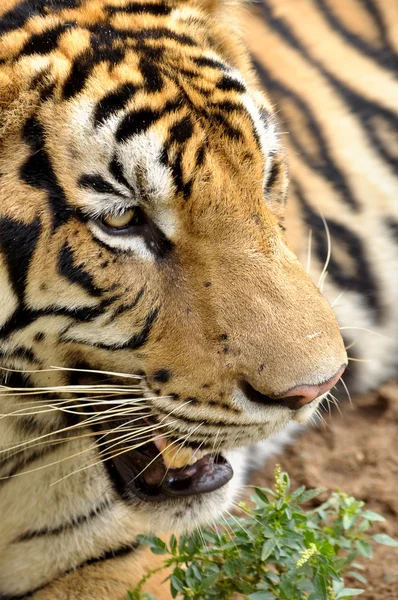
143, 181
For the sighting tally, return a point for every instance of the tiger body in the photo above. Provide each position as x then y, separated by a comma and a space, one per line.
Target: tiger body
341, 136
143, 188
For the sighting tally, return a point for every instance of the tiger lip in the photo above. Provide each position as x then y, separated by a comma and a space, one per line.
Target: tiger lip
161, 470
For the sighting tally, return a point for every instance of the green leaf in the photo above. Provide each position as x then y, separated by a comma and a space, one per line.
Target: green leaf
383, 538
261, 596
260, 493
176, 584
173, 544
230, 568
348, 593
268, 548
208, 581
358, 576
320, 588
371, 516
298, 492
310, 494
348, 520
364, 548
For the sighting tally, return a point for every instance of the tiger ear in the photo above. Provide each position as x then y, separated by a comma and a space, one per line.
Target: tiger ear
226, 17
213, 7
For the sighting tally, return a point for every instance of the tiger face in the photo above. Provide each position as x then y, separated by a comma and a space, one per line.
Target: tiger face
141, 232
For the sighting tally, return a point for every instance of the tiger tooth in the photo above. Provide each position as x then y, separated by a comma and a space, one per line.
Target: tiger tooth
174, 456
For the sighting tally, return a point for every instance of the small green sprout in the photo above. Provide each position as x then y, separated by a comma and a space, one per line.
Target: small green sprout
274, 550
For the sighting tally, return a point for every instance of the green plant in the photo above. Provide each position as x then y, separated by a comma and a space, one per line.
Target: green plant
275, 550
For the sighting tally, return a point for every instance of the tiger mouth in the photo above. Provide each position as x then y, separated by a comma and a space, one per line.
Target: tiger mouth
161, 470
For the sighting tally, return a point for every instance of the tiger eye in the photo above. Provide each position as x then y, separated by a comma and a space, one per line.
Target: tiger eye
119, 221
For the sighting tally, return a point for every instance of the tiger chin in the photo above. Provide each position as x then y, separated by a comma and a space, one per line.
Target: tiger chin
142, 195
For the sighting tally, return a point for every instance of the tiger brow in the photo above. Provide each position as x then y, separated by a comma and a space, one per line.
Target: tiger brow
99, 184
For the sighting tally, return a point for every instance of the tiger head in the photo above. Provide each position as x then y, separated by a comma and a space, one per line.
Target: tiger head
142, 193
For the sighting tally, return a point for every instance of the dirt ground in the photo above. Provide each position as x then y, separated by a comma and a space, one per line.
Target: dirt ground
357, 452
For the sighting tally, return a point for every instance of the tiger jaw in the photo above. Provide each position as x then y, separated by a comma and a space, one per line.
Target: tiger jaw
160, 470
163, 469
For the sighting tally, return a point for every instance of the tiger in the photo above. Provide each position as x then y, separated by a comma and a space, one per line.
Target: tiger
155, 321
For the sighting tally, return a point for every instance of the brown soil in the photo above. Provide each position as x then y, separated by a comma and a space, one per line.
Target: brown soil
356, 452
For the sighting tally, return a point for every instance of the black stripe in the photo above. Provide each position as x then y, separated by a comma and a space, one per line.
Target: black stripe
364, 109
117, 553
75, 273
203, 61
116, 170
220, 120
139, 340
209, 421
17, 243
323, 162
273, 175
151, 74
106, 34
95, 512
126, 307
97, 183
136, 341
136, 122
181, 131
38, 172
160, 33
392, 225
27, 461
24, 316
113, 102
102, 49
109, 555
176, 170
384, 55
228, 84
228, 106
18, 16
156, 9
21, 352
363, 281
47, 41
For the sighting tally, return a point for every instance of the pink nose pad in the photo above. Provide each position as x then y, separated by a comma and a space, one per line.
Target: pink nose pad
304, 394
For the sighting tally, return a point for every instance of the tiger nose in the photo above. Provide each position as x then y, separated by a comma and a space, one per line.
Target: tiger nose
301, 395
295, 397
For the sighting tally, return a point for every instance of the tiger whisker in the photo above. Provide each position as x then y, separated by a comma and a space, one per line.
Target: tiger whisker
98, 371
183, 439
53, 368
83, 423
63, 459
101, 461
346, 389
328, 255
239, 524
337, 299
368, 330
72, 409
309, 250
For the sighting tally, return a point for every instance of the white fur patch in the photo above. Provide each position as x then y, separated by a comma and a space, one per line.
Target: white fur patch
8, 300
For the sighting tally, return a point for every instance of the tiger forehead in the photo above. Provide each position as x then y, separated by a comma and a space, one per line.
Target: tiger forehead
146, 97
145, 140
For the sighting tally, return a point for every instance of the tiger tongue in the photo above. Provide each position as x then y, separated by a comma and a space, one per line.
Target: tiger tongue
154, 474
